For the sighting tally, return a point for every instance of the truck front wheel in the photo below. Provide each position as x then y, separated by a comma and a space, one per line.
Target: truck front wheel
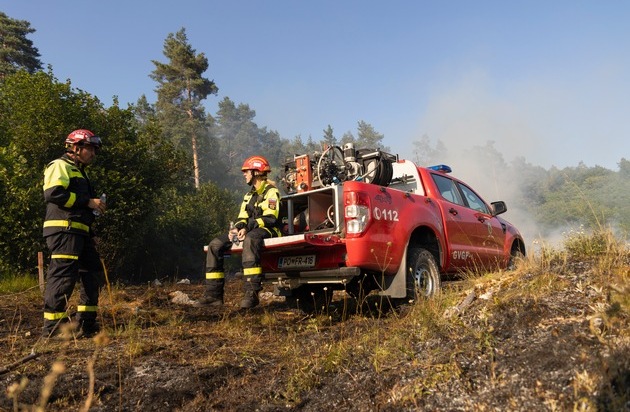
423, 275
516, 256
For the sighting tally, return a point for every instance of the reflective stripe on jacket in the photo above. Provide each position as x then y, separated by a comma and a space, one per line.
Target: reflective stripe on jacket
67, 192
260, 208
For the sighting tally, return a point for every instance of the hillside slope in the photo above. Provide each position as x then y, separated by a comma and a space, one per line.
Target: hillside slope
552, 335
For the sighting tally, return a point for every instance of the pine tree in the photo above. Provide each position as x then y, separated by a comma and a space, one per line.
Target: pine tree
329, 137
369, 138
16, 51
180, 92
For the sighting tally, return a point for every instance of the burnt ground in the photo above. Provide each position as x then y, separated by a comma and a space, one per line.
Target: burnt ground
553, 338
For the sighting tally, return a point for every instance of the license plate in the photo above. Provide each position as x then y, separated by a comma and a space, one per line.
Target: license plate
307, 261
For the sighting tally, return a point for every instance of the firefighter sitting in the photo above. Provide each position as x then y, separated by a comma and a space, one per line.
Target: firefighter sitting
257, 220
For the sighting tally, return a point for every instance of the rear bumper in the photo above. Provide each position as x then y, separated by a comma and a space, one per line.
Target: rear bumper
293, 279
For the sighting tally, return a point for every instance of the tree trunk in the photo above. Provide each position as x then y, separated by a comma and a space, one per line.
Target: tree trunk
195, 160
194, 148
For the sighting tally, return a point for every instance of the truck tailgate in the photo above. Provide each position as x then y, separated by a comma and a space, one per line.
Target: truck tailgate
310, 255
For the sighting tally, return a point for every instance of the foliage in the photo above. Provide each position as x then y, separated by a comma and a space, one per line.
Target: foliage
592, 197
184, 222
239, 137
329, 137
425, 154
367, 137
580, 243
16, 50
36, 113
14, 283
141, 173
180, 92
134, 169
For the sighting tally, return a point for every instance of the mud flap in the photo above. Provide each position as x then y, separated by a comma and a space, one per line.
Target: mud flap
396, 286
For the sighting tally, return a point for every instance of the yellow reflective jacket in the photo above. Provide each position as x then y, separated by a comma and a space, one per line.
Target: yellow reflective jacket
260, 208
67, 191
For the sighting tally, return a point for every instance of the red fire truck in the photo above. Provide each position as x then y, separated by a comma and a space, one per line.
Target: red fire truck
365, 220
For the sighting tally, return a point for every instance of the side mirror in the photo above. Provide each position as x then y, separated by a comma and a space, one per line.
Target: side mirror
498, 208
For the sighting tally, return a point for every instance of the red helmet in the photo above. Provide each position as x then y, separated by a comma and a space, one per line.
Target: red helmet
83, 137
258, 163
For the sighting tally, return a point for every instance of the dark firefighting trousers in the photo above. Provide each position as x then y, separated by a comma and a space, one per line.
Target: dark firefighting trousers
252, 272
73, 258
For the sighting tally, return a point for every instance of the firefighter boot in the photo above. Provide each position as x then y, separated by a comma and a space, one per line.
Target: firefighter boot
213, 295
88, 328
251, 287
53, 328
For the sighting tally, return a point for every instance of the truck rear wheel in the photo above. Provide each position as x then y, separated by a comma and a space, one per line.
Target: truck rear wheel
423, 275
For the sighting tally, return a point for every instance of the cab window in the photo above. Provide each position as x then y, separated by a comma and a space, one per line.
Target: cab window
473, 201
448, 189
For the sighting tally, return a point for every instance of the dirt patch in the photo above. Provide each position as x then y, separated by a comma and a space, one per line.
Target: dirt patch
526, 341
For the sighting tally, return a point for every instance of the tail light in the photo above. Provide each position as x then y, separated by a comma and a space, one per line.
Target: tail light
356, 212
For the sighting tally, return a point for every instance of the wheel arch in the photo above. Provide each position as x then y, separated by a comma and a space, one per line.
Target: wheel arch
517, 252
426, 238
518, 245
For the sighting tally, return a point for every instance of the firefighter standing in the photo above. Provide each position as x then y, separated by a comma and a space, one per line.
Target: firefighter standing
71, 205
257, 220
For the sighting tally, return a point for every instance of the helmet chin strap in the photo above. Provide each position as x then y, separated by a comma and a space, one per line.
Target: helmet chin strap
75, 155
256, 178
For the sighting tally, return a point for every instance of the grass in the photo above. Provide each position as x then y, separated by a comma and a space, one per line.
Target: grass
412, 354
17, 284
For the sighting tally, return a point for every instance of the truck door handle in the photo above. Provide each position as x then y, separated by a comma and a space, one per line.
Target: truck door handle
452, 211
481, 219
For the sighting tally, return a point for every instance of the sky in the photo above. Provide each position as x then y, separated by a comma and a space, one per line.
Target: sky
547, 81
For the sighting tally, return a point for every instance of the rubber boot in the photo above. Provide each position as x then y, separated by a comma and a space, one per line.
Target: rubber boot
251, 287
88, 328
213, 295
53, 328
